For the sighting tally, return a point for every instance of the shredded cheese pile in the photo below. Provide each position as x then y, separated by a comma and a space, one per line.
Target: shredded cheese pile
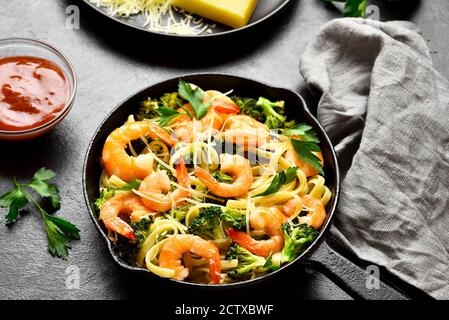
160, 15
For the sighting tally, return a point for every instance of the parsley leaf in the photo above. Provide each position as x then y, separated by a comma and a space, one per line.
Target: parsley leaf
282, 178
44, 174
269, 263
14, 200
353, 8
40, 184
59, 234
195, 97
68, 228
290, 175
304, 131
304, 149
167, 115
58, 242
59, 231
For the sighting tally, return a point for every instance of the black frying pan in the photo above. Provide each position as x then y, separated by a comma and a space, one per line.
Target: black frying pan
319, 255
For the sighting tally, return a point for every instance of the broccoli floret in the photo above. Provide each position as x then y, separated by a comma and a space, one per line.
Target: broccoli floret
263, 110
297, 238
290, 124
170, 174
179, 215
127, 249
248, 106
234, 218
208, 224
148, 109
222, 177
163, 108
142, 229
248, 263
105, 195
273, 111
171, 100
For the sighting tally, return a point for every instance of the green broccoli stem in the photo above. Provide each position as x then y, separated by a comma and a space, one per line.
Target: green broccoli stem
274, 120
248, 264
297, 239
268, 108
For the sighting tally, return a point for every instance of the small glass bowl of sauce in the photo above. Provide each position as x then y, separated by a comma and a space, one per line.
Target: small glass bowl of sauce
37, 88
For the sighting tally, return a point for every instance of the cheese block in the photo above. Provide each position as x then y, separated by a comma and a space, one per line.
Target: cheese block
234, 13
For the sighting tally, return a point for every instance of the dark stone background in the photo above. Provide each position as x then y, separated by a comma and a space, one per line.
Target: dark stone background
112, 62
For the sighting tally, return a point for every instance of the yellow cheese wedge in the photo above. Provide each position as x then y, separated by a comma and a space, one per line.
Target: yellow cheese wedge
234, 13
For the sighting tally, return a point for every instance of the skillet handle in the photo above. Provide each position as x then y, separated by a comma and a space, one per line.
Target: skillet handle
349, 276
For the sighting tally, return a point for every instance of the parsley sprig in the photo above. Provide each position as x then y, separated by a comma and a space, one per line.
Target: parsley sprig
305, 142
167, 115
353, 8
281, 179
304, 150
304, 131
195, 97
59, 231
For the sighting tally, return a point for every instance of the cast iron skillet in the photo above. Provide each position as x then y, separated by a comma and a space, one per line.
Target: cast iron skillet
265, 10
319, 255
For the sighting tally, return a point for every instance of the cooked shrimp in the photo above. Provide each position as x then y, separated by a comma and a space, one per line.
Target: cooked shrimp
211, 119
268, 220
222, 104
317, 213
115, 159
238, 168
291, 207
246, 131
173, 250
138, 215
307, 168
122, 204
186, 129
156, 189
183, 130
242, 121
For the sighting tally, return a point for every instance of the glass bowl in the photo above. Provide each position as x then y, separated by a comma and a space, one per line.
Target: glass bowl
33, 48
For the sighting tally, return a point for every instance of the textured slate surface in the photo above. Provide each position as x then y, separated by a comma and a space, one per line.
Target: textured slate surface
112, 62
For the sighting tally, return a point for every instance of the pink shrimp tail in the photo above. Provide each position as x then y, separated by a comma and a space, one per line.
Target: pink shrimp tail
130, 235
182, 174
156, 131
205, 176
244, 240
215, 270
120, 226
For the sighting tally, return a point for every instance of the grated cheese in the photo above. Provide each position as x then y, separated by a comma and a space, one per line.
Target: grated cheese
159, 15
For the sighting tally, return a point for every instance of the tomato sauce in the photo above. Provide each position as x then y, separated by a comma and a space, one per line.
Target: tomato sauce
33, 91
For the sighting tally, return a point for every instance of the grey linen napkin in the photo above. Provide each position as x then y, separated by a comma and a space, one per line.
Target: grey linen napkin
386, 110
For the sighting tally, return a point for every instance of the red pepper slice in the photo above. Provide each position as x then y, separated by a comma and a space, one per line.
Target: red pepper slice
223, 106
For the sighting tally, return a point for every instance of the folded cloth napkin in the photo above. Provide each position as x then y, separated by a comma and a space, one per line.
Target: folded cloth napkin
386, 110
